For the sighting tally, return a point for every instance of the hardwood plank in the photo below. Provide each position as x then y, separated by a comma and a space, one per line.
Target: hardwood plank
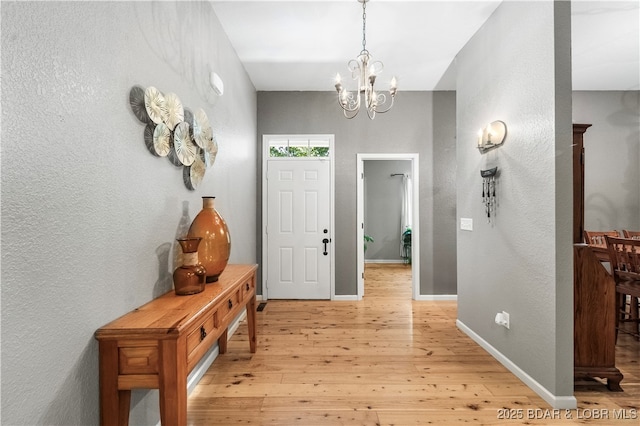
309, 390
383, 403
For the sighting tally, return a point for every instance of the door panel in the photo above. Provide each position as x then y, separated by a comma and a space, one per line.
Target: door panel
298, 213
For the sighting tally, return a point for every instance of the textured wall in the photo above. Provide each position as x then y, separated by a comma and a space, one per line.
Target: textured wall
383, 207
88, 214
407, 128
444, 189
521, 262
612, 155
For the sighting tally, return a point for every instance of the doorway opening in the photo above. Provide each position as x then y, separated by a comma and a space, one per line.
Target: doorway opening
398, 251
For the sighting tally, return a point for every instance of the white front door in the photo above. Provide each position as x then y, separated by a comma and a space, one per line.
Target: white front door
299, 242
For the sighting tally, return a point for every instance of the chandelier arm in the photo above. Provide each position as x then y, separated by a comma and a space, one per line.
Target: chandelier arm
348, 103
371, 113
385, 101
350, 116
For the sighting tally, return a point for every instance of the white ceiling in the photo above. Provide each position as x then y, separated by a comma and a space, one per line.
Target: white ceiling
293, 45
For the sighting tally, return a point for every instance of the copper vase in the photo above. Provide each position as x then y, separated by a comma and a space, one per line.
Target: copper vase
189, 278
214, 249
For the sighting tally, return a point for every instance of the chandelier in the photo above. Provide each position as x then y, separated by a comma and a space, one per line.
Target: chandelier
364, 70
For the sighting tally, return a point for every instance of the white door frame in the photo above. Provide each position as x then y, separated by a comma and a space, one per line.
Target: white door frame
415, 229
266, 139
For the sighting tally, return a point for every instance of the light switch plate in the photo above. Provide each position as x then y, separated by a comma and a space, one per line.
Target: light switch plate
466, 224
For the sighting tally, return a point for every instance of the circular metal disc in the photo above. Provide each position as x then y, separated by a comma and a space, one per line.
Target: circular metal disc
154, 104
161, 140
185, 148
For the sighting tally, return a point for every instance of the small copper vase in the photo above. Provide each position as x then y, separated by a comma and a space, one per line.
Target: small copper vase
189, 278
215, 246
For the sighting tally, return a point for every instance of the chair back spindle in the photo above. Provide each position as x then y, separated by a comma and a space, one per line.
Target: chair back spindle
625, 258
635, 235
597, 238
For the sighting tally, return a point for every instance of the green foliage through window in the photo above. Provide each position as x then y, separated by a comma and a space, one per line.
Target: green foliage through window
299, 151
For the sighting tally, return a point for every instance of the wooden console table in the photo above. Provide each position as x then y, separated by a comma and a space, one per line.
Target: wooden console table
156, 345
594, 316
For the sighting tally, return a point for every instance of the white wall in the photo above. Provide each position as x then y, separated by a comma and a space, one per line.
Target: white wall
612, 155
88, 214
516, 68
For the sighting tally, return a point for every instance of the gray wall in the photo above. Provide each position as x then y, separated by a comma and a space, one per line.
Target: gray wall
408, 128
612, 155
383, 207
444, 200
522, 261
88, 214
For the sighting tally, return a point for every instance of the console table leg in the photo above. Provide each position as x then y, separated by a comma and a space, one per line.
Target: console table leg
222, 341
251, 323
114, 403
124, 407
173, 382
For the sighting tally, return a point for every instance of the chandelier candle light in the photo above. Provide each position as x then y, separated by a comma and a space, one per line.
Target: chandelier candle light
364, 70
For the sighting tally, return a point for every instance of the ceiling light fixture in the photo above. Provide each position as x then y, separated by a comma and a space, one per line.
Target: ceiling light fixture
364, 70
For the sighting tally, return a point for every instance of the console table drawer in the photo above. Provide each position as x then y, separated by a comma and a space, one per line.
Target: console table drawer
230, 306
200, 336
247, 290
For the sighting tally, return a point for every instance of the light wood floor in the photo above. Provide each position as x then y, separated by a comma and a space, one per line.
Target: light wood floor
385, 360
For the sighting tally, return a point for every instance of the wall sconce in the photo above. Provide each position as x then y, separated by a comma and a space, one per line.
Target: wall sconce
491, 136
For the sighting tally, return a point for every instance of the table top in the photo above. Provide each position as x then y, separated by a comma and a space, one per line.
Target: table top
170, 313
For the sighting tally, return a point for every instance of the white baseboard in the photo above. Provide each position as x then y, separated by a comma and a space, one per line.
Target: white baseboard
384, 261
557, 402
437, 297
201, 368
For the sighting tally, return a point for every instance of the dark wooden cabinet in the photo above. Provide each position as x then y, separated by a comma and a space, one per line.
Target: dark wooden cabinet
578, 180
594, 335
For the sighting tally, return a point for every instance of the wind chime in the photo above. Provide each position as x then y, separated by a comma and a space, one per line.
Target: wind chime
489, 191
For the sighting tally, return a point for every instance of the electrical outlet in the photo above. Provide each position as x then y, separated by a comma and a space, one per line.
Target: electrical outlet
502, 318
466, 224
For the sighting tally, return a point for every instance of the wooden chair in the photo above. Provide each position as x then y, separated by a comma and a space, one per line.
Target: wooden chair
597, 238
624, 254
631, 234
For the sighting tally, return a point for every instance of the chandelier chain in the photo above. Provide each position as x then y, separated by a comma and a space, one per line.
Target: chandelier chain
364, 26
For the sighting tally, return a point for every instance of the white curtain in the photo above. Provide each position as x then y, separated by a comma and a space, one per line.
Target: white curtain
406, 220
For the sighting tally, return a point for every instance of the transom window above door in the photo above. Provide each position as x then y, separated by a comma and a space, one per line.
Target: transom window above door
299, 147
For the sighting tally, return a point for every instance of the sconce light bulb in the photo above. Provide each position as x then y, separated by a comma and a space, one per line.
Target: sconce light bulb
338, 78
